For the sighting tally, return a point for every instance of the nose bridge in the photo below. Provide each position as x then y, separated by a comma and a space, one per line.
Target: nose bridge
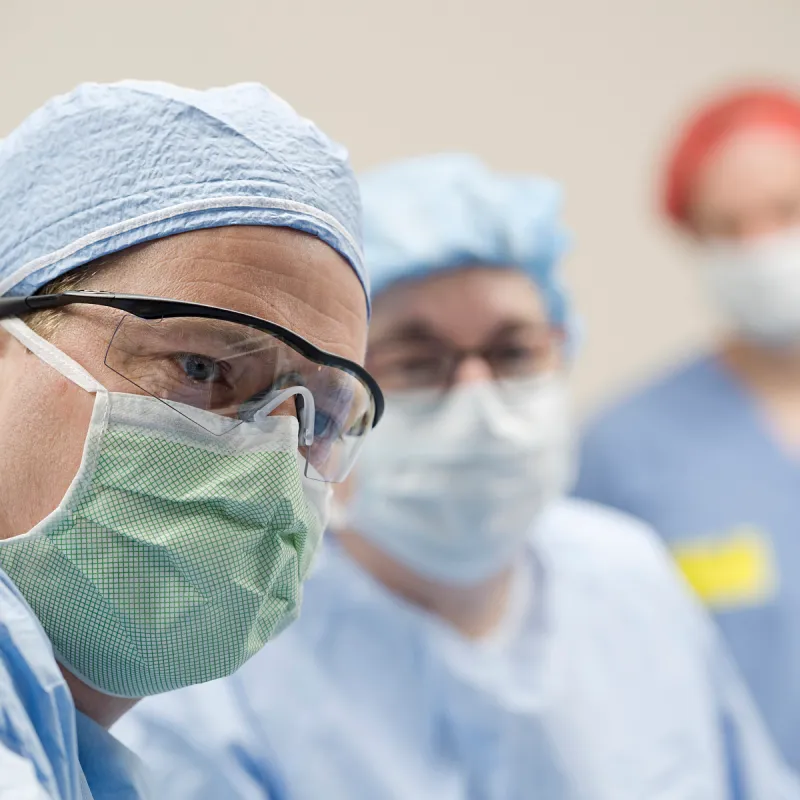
472, 368
288, 408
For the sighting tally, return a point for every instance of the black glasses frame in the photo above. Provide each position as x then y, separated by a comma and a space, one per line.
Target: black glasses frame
152, 308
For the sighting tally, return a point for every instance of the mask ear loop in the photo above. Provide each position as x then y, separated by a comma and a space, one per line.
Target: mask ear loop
306, 411
51, 355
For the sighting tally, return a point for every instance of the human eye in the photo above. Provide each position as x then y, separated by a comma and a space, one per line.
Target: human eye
512, 359
326, 426
415, 371
196, 368
516, 352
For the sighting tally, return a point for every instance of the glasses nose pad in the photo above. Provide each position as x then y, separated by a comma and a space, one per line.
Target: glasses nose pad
306, 411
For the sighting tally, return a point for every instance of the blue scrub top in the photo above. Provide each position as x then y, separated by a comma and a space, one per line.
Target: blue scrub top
693, 456
605, 680
47, 748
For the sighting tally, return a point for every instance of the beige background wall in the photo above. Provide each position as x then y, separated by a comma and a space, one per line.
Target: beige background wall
584, 90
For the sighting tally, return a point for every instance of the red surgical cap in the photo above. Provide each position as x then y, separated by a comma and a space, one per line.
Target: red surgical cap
751, 108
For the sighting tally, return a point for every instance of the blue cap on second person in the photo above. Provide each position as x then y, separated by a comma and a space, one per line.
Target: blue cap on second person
109, 166
438, 212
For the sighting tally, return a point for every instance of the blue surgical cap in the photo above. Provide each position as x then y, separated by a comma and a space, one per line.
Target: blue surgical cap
110, 166
439, 212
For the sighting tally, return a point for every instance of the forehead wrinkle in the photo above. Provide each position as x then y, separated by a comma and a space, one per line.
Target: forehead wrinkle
283, 308
298, 283
232, 334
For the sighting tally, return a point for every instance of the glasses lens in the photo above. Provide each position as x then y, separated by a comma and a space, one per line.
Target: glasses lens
231, 370
424, 362
401, 366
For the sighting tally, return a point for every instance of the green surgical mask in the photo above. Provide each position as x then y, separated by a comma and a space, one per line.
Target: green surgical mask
176, 553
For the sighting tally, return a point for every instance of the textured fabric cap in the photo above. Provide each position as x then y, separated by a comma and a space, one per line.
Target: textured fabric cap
109, 166
710, 126
438, 212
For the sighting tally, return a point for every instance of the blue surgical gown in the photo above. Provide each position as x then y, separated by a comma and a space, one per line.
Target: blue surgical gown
603, 681
693, 456
48, 750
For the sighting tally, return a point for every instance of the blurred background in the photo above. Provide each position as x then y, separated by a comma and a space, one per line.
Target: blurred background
586, 92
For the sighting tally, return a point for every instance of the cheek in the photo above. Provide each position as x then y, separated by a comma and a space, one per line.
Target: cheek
344, 491
45, 420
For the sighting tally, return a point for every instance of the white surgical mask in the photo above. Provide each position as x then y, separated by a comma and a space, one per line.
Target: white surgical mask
451, 486
756, 286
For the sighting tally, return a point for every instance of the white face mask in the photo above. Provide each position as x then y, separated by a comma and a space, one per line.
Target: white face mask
756, 285
451, 486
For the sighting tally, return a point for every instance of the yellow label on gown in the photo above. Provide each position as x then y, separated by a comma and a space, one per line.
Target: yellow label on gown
735, 570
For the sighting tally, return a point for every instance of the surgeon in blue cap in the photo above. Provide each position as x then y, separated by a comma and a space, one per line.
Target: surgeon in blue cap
183, 317
468, 632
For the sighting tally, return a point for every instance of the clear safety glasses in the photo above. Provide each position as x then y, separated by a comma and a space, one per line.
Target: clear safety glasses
416, 360
200, 359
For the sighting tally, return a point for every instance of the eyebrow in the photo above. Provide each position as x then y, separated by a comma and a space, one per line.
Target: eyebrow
413, 332
419, 332
230, 333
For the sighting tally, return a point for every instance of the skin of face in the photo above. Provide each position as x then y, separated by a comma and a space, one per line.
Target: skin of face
278, 274
749, 187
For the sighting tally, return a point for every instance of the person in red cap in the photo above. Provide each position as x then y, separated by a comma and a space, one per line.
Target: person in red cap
710, 454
